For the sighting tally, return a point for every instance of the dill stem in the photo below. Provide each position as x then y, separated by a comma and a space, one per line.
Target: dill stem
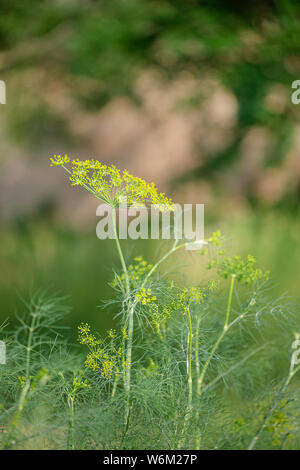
174, 248
189, 345
71, 408
21, 403
274, 404
189, 359
29, 344
120, 250
127, 375
26, 388
216, 345
197, 347
116, 380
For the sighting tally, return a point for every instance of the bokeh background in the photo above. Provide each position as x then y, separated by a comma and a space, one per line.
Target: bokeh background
194, 95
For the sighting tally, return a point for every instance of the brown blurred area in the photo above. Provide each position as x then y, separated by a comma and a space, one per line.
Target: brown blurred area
158, 140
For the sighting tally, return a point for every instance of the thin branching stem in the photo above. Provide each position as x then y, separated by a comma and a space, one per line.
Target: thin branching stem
71, 418
127, 375
215, 347
274, 404
124, 267
217, 343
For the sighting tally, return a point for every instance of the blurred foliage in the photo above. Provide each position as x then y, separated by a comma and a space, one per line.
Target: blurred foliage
249, 46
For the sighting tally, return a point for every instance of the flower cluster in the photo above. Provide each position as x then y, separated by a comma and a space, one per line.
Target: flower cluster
111, 185
194, 295
139, 269
40, 378
136, 272
281, 426
79, 384
102, 361
216, 238
159, 317
59, 160
22, 380
100, 358
144, 296
244, 271
86, 337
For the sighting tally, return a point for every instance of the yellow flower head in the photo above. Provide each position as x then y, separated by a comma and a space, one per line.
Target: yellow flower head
86, 337
144, 296
111, 185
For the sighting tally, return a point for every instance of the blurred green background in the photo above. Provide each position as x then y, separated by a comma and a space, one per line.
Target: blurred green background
194, 95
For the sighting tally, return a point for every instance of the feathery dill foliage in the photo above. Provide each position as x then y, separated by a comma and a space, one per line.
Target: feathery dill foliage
208, 366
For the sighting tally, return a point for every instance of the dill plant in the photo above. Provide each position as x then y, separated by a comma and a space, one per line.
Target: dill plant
139, 289
197, 367
26, 373
113, 187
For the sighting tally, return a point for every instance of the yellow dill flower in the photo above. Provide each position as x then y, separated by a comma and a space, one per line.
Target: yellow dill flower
144, 296
93, 360
79, 384
103, 359
112, 185
112, 333
215, 238
124, 333
245, 271
192, 295
86, 337
107, 368
136, 272
22, 380
158, 317
58, 160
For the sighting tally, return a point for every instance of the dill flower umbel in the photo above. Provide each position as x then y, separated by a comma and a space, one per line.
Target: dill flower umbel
144, 296
86, 337
245, 271
111, 185
101, 357
136, 272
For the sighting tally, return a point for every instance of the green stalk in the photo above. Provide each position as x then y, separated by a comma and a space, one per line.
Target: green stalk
114, 388
120, 250
127, 376
128, 362
216, 345
274, 404
197, 363
127, 381
71, 408
21, 403
29, 344
197, 347
26, 389
174, 248
189, 359
190, 377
